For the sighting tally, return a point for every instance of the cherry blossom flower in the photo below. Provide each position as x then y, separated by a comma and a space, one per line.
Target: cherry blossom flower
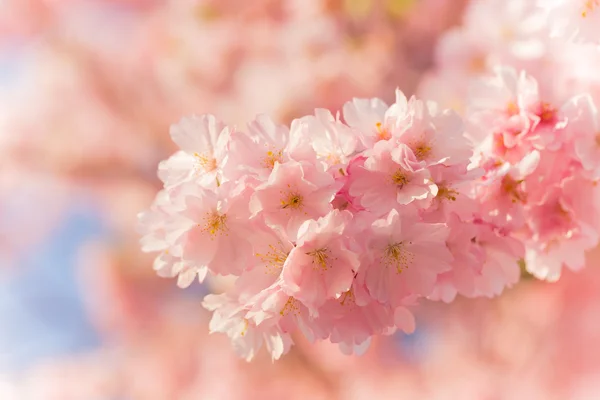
406, 258
203, 141
389, 177
320, 266
294, 192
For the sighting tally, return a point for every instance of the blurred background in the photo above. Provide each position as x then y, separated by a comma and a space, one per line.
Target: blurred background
88, 89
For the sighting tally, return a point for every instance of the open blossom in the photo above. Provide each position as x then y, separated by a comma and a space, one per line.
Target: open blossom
503, 194
353, 318
502, 102
320, 266
391, 176
405, 258
374, 120
219, 240
333, 142
294, 192
564, 225
203, 142
435, 136
257, 150
247, 338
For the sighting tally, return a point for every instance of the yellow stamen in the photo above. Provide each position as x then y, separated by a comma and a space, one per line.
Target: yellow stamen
397, 256
290, 306
446, 192
206, 162
400, 178
274, 259
215, 223
293, 201
382, 133
271, 158
421, 150
321, 260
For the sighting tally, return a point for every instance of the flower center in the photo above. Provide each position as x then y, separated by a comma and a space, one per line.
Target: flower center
397, 256
215, 223
321, 259
272, 157
400, 178
589, 6
422, 150
446, 192
206, 162
293, 201
597, 139
382, 133
290, 306
274, 258
512, 188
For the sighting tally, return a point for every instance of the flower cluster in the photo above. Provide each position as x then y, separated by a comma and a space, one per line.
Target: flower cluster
335, 226
542, 162
332, 228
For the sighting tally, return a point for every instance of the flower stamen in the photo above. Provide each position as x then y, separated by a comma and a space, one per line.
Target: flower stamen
290, 306
397, 256
215, 223
271, 158
382, 133
320, 259
274, 259
206, 162
293, 201
400, 178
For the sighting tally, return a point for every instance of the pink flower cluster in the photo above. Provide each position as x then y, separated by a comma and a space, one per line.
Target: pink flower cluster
332, 228
542, 162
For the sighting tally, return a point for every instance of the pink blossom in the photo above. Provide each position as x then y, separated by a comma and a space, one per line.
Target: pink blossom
275, 307
435, 136
455, 186
218, 239
333, 142
502, 102
374, 121
294, 192
320, 266
203, 141
389, 177
257, 151
564, 225
405, 258
246, 337
503, 193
